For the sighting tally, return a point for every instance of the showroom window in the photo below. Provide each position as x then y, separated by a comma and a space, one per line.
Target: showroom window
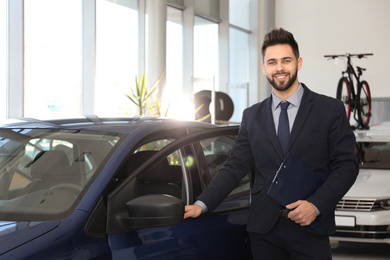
116, 55
239, 56
3, 59
238, 71
205, 54
174, 67
52, 58
55, 74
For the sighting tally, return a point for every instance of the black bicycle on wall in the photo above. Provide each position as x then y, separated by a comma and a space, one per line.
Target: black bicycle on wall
359, 101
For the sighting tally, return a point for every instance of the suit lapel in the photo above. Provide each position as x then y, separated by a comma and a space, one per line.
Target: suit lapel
303, 112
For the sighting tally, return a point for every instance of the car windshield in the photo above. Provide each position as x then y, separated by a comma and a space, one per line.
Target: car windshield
43, 173
373, 155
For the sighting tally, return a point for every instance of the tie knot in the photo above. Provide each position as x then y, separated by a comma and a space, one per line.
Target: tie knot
284, 105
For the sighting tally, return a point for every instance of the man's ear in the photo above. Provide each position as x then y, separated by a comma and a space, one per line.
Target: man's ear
262, 66
300, 63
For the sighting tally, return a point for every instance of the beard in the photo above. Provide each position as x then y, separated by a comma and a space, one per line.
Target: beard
279, 86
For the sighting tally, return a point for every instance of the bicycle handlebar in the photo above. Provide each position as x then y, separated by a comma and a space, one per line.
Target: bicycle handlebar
361, 55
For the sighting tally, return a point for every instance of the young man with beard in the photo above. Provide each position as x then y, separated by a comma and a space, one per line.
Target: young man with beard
318, 134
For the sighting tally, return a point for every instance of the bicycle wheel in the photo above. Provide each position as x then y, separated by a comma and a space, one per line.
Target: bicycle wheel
364, 95
344, 94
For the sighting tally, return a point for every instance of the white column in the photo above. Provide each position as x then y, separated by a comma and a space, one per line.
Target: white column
255, 71
223, 47
157, 34
141, 36
15, 59
188, 49
89, 57
267, 12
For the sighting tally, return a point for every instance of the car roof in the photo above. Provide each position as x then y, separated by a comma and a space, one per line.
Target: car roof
123, 125
376, 133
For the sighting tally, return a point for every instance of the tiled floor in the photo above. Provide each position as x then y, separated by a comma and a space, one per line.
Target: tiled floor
360, 251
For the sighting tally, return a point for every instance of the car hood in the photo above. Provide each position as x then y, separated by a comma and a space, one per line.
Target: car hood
15, 233
371, 184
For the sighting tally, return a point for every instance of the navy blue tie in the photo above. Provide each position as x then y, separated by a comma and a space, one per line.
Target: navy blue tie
283, 128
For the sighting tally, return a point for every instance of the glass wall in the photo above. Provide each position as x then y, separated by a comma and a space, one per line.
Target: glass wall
174, 56
239, 56
3, 59
52, 70
116, 56
52, 58
238, 71
205, 54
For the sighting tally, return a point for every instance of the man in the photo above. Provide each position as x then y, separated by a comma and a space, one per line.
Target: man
319, 136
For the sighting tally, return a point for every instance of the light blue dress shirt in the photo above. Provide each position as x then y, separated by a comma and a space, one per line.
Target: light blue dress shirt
292, 111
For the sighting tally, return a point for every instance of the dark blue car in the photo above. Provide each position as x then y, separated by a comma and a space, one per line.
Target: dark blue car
115, 188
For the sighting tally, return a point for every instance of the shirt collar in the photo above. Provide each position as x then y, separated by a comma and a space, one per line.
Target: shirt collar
294, 99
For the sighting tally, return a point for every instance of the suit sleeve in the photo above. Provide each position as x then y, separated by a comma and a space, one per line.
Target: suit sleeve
343, 165
236, 167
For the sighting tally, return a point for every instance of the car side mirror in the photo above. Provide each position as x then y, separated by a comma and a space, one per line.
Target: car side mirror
153, 211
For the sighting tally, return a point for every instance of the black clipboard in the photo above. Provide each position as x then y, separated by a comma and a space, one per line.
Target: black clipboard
295, 181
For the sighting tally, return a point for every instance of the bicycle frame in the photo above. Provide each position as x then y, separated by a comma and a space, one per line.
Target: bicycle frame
361, 107
351, 73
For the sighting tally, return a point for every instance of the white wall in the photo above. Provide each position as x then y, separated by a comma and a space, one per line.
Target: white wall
336, 27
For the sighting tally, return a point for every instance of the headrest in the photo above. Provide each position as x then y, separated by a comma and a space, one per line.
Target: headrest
160, 172
49, 163
68, 151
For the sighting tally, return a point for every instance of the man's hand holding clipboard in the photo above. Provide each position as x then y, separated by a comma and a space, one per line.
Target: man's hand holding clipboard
294, 182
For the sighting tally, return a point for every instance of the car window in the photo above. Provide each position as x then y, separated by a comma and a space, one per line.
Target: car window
373, 155
155, 145
32, 150
164, 177
44, 172
173, 159
216, 151
140, 176
183, 173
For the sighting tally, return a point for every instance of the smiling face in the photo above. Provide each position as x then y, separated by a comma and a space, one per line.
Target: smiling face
281, 68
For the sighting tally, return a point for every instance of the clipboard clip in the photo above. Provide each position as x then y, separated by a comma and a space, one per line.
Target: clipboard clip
280, 167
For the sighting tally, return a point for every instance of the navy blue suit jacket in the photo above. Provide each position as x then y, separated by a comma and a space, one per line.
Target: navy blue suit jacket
321, 138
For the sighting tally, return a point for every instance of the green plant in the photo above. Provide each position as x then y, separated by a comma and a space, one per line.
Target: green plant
156, 110
141, 94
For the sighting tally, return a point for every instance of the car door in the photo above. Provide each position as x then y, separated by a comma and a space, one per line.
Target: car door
145, 214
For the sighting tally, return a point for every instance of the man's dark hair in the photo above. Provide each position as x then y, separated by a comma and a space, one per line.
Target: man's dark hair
279, 36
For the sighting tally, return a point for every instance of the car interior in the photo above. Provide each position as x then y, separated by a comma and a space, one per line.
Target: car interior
160, 179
